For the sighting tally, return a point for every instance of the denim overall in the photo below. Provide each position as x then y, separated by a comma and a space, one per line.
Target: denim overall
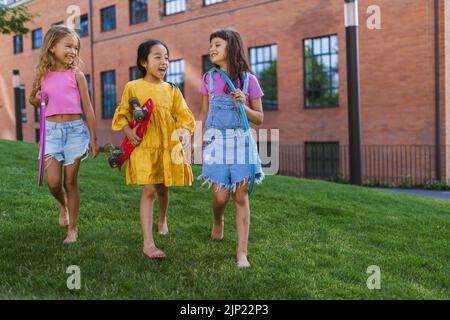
226, 151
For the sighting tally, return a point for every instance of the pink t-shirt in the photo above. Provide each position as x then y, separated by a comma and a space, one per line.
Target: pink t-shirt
254, 89
62, 91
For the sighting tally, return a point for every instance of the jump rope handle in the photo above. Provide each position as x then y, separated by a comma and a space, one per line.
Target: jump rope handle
41, 139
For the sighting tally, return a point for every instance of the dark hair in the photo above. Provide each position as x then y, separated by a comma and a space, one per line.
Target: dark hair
237, 59
143, 52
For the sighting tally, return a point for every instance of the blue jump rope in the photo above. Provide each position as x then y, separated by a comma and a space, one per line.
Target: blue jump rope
252, 145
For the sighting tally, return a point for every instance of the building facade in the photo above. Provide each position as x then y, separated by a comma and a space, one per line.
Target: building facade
297, 48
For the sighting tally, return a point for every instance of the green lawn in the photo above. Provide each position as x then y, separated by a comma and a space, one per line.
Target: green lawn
308, 240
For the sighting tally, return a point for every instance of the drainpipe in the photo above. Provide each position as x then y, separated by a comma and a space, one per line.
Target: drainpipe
437, 91
91, 36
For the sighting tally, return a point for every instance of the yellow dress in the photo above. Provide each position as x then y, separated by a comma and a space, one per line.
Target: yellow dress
159, 158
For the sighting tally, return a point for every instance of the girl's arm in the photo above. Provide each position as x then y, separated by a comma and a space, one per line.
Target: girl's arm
255, 113
122, 117
184, 119
204, 112
35, 99
88, 111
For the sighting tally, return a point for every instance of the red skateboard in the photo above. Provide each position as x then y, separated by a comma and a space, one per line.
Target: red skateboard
126, 146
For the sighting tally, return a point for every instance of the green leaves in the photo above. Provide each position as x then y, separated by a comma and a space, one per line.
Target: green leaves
13, 20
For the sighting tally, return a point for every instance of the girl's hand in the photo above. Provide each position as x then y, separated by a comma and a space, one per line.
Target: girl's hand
238, 95
132, 135
93, 148
38, 97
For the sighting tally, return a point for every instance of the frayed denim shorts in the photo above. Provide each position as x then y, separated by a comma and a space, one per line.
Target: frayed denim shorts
227, 159
66, 141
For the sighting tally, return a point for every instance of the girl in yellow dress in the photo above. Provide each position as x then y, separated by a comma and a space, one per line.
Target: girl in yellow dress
157, 162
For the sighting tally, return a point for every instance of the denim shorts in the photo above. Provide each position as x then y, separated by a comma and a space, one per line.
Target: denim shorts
66, 141
227, 161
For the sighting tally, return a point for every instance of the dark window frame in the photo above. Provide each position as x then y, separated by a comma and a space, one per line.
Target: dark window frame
211, 4
313, 107
37, 115
265, 108
33, 39
132, 70
204, 63
104, 107
173, 13
16, 50
103, 19
84, 17
130, 12
181, 87
89, 84
37, 133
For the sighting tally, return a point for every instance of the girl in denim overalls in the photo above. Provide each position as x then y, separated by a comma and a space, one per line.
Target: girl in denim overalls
226, 154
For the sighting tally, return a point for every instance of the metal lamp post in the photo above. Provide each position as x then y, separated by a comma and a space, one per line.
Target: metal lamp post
19, 104
354, 127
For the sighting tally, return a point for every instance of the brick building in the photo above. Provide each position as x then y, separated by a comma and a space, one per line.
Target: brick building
298, 50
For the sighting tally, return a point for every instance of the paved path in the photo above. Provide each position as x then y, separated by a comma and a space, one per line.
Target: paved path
419, 192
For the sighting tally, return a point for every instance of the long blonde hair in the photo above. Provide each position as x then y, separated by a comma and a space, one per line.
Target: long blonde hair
47, 59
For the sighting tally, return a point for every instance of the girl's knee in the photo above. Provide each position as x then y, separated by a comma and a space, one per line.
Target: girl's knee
240, 198
162, 191
54, 186
149, 191
70, 184
220, 201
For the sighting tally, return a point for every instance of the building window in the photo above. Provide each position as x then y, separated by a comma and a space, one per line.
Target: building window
58, 23
322, 159
84, 26
36, 36
138, 11
321, 72
263, 61
37, 114
21, 101
108, 18
174, 6
206, 63
108, 94
88, 80
176, 73
18, 43
37, 133
134, 73
209, 2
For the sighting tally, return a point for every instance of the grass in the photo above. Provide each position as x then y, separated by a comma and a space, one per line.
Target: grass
308, 240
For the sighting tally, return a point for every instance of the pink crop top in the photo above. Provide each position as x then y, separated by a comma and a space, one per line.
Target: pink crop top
62, 91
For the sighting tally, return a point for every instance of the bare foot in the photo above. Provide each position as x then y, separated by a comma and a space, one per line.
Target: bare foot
64, 216
242, 262
72, 236
153, 253
217, 231
163, 229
